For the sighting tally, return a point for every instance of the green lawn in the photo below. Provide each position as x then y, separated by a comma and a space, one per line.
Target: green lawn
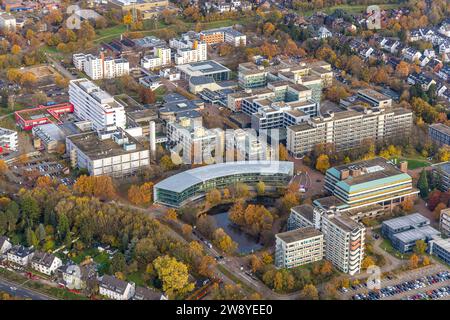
136, 277
108, 34
413, 163
387, 246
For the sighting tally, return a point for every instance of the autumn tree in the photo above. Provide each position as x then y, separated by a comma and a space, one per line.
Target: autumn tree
147, 96
97, 186
171, 214
174, 276
402, 69
283, 153
421, 247
310, 292
260, 187
322, 163
213, 197
414, 261
223, 241
367, 262
206, 267
3, 167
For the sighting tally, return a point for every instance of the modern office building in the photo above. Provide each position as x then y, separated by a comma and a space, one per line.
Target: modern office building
404, 231
349, 129
440, 248
442, 173
439, 133
176, 107
344, 242
8, 139
193, 142
49, 136
368, 183
193, 184
144, 9
298, 247
209, 68
101, 67
115, 153
96, 105
397, 225
406, 241
444, 222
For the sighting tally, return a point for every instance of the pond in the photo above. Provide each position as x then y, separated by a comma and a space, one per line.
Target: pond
246, 243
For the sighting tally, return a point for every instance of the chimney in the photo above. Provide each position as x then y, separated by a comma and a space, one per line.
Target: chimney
404, 166
355, 172
344, 174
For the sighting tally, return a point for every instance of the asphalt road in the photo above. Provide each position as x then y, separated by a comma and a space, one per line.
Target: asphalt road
21, 291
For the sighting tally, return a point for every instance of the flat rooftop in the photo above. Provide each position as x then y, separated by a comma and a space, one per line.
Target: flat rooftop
346, 223
95, 148
441, 128
374, 94
406, 221
413, 235
305, 210
188, 178
202, 68
298, 234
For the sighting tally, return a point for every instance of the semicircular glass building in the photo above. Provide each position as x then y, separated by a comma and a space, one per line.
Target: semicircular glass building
193, 184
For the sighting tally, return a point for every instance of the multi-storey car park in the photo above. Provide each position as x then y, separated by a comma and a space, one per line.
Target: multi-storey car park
193, 184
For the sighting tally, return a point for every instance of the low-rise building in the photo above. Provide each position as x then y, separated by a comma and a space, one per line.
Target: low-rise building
209, 68
440, 248
412, 221
442, 172
444, 222
116, 289
45, 263
77, 277
50, 136
298, 247
439, 133
406, 241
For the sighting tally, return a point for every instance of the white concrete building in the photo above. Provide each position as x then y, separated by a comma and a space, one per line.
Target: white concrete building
161, 57
8, 139
115, 153
101, 67
45, 263
116, 289
20, 255
7, 22
93, 104
298, 247
344, 242
188, 51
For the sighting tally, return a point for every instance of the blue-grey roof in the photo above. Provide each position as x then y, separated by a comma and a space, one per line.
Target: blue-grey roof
186, 179
406, 221
199, 80
424, 233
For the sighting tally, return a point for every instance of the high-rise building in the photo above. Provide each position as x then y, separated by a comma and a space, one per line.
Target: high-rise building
349, 129
298, 247
344, 242
188, 51
444, 222
93, 104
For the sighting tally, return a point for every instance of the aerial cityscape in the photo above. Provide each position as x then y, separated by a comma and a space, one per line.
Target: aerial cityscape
224, 150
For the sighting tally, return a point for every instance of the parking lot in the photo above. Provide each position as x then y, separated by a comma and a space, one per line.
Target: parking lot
26, 173
405, 288
442, 293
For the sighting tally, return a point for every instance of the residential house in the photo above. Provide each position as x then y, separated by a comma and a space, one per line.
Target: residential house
5, 245
116, 289
20, 255
45, 263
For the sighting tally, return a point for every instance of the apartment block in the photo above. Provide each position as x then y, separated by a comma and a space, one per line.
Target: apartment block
300, 217
100, 67
344, 242
115, 153
349, 128
161, 57
188, 51
439, 133
96, 105
298, 247
227, 34
8, 139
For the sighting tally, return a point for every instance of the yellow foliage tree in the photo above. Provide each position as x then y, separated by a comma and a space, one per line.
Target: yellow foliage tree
174, 276
322, 163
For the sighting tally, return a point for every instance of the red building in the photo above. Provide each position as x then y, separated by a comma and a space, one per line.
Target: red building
29, 118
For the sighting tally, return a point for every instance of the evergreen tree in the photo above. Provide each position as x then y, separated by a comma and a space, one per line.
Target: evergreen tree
422, 184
